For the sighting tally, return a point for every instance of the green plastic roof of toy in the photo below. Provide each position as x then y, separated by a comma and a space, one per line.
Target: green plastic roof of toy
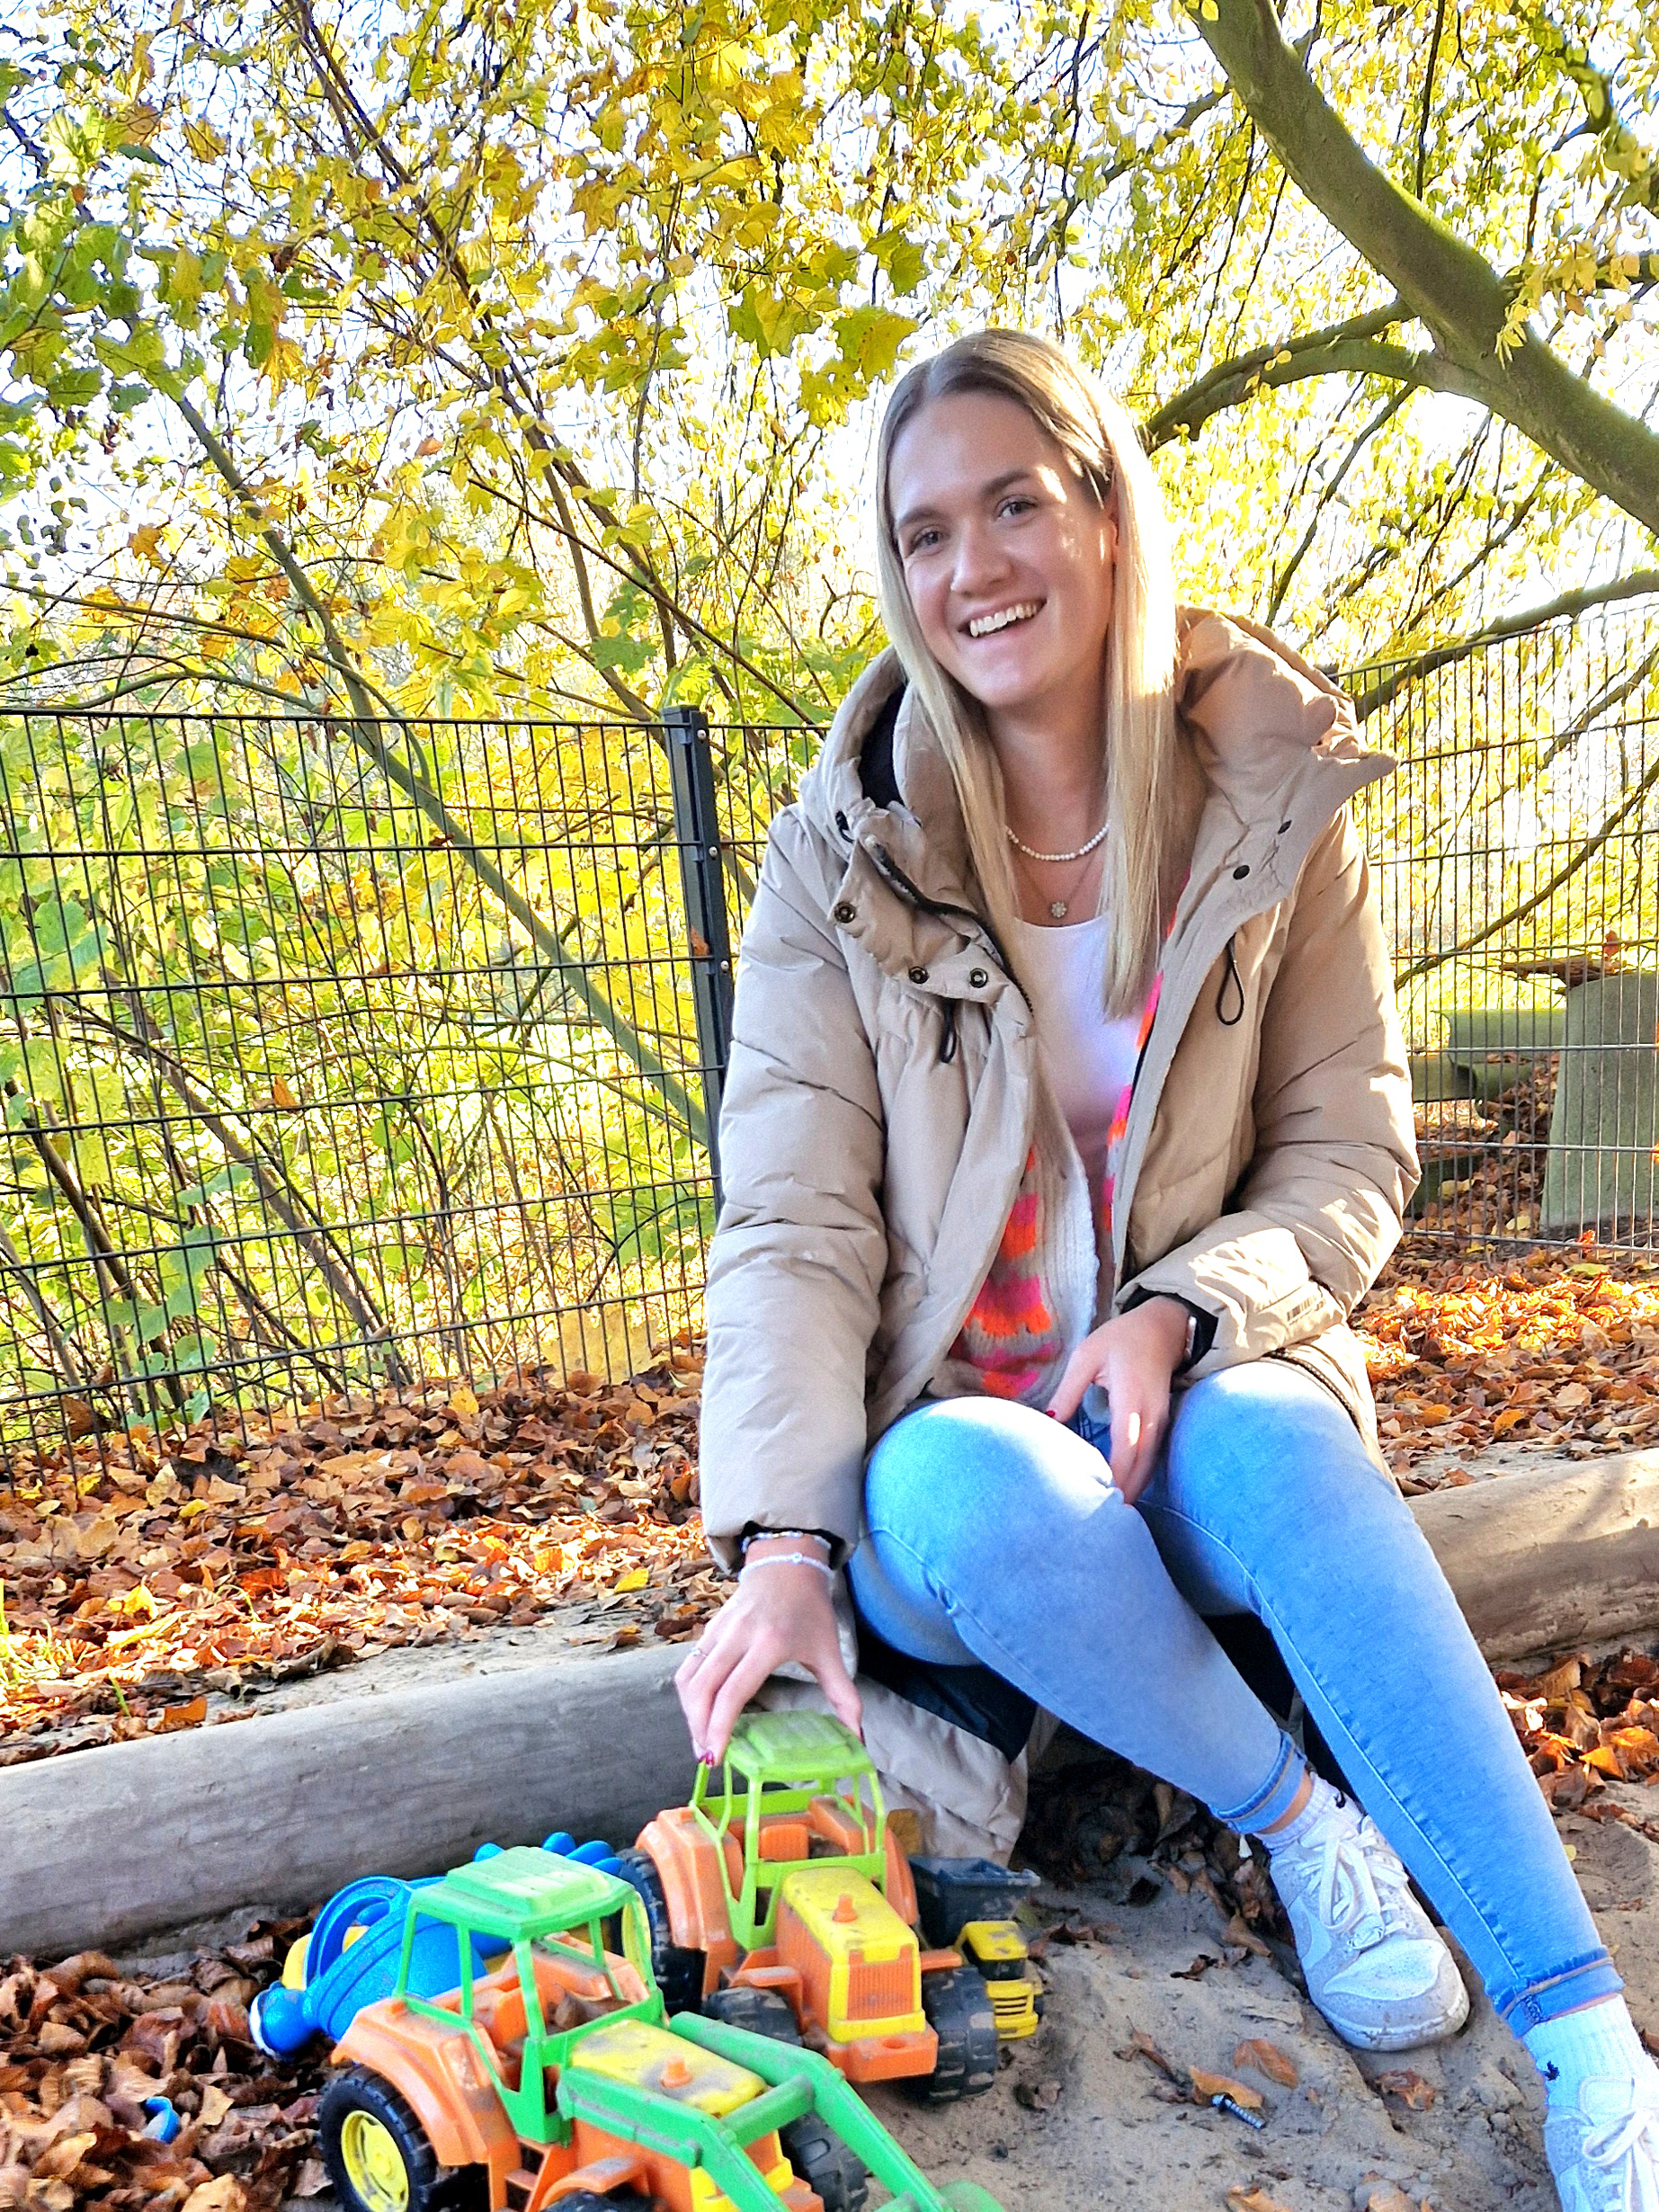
523, 1893
796, 1747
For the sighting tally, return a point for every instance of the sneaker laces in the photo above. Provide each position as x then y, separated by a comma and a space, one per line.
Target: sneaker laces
1360, 1880
1627, 2150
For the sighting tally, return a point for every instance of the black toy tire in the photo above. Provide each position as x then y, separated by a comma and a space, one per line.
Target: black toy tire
763, 2011
957, 2006
433, 2187
823, 2161
678, 1969
590, 2200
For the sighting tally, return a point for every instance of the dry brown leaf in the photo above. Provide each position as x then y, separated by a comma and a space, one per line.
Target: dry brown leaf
1253, 2197
1389, 2197
1239, 1931
1141, 2045
224, 2193
1409, 2087
215, 2104
1267, 2059
62, 2157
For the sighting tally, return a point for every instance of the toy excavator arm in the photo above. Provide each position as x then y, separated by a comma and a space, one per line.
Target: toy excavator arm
841, 2109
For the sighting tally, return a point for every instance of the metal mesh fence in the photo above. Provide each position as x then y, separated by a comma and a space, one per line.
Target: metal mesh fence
332, 1054
1511, 856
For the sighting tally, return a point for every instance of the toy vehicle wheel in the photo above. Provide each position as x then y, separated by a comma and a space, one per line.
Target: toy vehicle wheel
678, 1969
590, 2200
825, 2164
377, 2151
763, 2011
957, 2005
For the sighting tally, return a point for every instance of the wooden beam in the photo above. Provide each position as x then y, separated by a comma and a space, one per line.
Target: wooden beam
1548, 1561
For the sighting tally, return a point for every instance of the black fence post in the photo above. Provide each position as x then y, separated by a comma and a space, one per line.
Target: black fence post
703, 883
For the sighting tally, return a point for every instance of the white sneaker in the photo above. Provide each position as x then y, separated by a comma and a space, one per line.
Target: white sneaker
1373, 1962
1603, 2148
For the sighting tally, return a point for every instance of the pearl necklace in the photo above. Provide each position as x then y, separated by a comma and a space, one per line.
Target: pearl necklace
1058, 907
1078, 854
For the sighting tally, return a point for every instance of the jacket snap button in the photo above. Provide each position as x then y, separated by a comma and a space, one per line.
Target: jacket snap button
844, 912
918, 975
1240, 873
977, 977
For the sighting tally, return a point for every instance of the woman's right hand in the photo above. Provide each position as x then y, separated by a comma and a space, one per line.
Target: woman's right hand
779, 1613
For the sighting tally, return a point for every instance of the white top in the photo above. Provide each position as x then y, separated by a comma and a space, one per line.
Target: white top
1088, 1055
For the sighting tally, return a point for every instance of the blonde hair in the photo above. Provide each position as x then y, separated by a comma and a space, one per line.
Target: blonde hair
1147, 783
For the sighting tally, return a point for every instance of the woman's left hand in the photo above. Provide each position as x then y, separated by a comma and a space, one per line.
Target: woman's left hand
1132, 1358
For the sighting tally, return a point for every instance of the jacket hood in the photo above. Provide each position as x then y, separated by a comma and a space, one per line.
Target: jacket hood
1255, 711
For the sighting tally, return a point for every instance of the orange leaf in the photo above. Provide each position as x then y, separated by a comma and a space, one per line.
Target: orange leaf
1269, 2059
1224, 2085
1410, 2088
189, 1715
1509, 1418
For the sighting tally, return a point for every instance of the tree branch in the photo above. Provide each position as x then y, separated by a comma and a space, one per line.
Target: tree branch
338, 1273
63, 1349
1227, 382
366, 730
1444, 281
1602, 116
1628, 806
1328, 490
1381, 693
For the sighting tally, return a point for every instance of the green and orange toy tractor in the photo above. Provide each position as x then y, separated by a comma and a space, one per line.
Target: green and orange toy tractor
552, 2076
782, 1901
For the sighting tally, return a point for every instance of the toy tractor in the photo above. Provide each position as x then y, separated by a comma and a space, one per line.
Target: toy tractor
783, 1902
553, 2079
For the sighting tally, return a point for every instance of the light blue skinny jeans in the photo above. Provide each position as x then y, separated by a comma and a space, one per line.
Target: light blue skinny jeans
994, 1534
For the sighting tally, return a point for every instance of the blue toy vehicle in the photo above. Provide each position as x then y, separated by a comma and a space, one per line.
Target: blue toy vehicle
352, 1956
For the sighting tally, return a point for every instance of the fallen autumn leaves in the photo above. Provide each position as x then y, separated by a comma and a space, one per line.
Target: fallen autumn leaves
142, 1575
86, 2046
1465, 1352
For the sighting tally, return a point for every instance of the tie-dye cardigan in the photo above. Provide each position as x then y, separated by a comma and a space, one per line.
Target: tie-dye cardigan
1015, 1338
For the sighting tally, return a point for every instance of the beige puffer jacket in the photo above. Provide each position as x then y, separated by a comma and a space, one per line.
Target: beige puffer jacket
884, 1088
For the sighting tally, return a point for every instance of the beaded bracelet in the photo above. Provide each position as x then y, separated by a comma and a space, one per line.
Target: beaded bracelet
789, 1558
809, 1535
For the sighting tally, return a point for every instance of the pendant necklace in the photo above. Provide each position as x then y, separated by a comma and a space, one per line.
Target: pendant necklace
1058, 907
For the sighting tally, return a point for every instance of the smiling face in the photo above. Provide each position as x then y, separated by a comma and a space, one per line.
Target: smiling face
1007, 555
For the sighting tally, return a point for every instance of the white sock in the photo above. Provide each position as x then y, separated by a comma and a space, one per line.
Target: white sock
1598, 2042
1322, 1802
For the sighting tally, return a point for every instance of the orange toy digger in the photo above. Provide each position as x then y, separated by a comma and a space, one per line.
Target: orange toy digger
782, 1903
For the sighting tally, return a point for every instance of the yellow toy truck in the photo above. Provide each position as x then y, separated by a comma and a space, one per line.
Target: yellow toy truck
782, 1901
